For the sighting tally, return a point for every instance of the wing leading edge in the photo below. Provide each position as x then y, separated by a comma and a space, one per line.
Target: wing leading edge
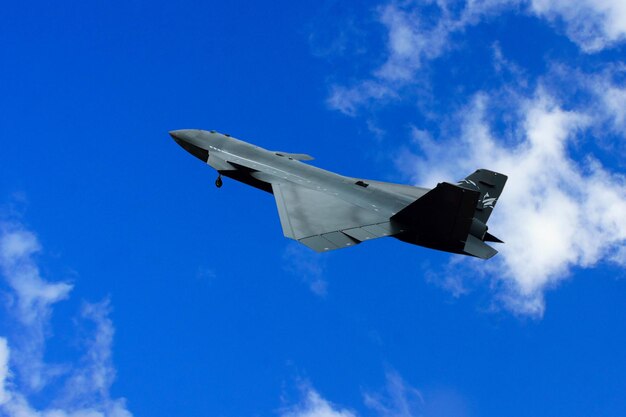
324, 222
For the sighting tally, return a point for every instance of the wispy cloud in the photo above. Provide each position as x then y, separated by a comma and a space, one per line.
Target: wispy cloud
593, 24
306, 265
4, 371
31, 299
313, 405
396, 399
418, 32
82, 388
410, 41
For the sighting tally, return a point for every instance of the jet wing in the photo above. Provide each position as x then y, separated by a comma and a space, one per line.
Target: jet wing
324, 222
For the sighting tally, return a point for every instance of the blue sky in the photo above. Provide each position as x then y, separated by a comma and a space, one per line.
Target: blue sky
131, 286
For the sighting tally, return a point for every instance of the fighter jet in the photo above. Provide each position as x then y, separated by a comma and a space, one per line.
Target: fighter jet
327, 211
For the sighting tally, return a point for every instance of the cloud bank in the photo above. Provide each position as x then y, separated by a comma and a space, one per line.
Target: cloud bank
80, 389
556, 213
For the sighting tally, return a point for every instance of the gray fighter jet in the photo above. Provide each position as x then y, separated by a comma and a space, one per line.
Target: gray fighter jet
327, 211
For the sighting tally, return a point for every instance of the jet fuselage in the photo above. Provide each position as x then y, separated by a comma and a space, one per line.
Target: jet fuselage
325, 211
252, 164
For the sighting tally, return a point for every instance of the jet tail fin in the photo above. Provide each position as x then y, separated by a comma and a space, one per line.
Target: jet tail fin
490, 185
453, 217
441, 218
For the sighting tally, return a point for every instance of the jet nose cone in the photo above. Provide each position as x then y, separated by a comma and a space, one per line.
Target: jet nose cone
187, 140
177, 134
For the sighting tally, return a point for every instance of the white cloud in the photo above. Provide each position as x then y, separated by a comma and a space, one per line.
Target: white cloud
555, 213
397, 399
602, 95
615, 102
91, 380
32, 298
593, 24
417, 35
348, 99
314, 405
82, 388
34, 295
414, 38
4, 370
609, 95
409, 43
